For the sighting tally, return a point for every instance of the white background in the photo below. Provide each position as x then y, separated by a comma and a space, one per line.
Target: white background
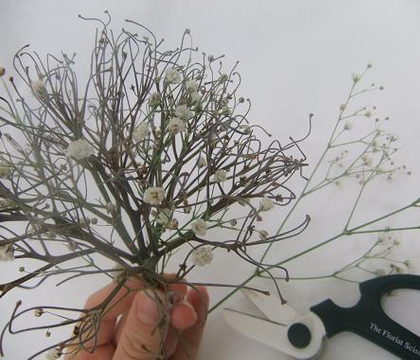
296, 58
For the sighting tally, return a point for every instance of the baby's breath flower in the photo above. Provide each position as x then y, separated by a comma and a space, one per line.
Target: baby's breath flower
266, 204
38, 312
191, 86
39, 89
202, 256
263, 234
202, 162
220, 176
176, 125
164, 217
5, 172
195, 98
79, 149
225, 111
183, 112
154, 195
398, 269
348, 125
379, 272
199, 227
367, 160
368, 114
7, 252
355, 77
154, 100
53, 354
172, 76
141, 132
110, 208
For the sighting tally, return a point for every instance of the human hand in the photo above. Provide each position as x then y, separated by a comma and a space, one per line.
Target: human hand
139, 333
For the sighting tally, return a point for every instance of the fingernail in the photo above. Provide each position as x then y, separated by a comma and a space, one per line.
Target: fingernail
147, 308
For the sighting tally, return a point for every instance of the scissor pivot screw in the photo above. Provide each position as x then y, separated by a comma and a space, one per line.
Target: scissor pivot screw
299, 335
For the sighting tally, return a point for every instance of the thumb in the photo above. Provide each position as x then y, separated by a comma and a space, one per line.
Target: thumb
143, 335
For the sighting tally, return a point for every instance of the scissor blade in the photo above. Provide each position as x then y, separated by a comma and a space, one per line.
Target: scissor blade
272, 307
266, 332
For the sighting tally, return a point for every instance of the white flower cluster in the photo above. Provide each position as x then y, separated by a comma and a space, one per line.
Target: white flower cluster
195, 98
201, 162
7, 252
79, 149
164, 217
191, 86
154, 195
199, 227
172, 76
202, 256
176, 125
183, 112
154, 99
220, 176
141, 132
266, 204
39, 89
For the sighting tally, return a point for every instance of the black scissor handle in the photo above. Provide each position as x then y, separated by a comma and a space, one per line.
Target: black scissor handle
368, 319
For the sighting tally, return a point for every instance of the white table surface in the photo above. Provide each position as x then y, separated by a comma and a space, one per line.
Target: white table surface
296, 58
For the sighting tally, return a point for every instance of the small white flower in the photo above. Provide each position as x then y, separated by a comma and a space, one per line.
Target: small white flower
183, 112
176, 126
192, 86
141, 132
164, 217
195, 98
355, 77
38, 312
154, 195
199, 227
348, 125
266, 204
202, 256
233, 222
154, 100
172, 76
39, 89
263, 234
202, 162
110, 208
226, 111
367, 160
7, 252
5, 172
53, 354
79, 149
220, 176
379, 272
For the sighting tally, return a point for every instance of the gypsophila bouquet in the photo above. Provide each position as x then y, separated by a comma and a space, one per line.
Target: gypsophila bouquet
113, 173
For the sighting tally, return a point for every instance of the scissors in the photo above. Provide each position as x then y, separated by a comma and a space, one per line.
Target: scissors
301, 336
